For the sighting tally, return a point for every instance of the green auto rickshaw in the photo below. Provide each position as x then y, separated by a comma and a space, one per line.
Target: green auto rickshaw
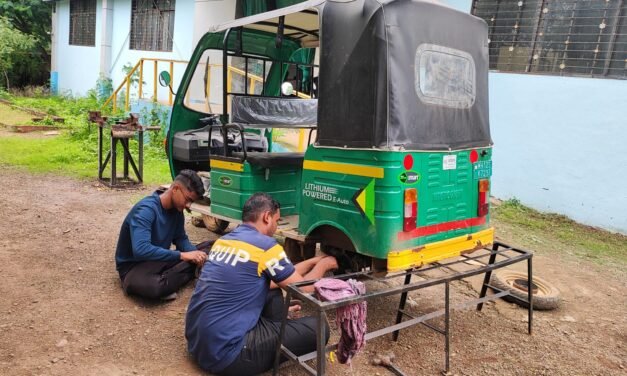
386, 107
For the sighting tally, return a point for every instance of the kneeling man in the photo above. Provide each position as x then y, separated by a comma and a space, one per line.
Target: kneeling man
234, 316
144, 260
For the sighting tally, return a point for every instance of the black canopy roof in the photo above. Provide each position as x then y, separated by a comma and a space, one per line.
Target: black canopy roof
402, 73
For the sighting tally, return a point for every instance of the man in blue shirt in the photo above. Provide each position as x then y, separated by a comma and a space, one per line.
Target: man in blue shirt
234, 316
144, 260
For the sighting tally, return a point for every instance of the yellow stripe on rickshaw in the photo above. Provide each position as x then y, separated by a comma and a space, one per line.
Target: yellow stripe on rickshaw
345, 168
224, 165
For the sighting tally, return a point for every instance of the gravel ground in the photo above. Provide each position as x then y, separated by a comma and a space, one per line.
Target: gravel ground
62, 310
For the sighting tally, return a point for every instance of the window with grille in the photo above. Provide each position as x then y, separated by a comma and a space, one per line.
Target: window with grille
83, 22
559, 37
152, 25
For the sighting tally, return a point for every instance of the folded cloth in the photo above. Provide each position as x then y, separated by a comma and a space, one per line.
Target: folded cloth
351, 319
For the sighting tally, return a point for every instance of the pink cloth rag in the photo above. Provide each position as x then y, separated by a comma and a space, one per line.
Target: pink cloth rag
351, 319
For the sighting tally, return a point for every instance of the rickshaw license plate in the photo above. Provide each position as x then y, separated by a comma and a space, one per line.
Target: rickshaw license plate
482, 169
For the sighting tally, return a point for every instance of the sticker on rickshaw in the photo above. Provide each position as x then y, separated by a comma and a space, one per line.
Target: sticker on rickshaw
364, 201
225, 181
409, 177
482, 169
449, 162
324, 193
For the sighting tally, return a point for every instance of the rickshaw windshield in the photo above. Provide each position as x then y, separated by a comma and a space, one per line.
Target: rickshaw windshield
245, 75
259, 57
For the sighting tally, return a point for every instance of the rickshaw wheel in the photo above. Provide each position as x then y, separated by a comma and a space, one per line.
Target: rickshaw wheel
214, 224
294, 251
545, 295
347, 261
197, 221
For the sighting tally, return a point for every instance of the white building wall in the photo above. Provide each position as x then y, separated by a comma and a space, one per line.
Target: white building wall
122, 55
77, 67
559, 144
211, 12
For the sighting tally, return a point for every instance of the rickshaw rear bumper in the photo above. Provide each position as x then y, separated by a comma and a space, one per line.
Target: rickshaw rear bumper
432, 252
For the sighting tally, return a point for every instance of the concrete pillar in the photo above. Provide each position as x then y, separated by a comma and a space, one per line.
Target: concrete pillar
106, 18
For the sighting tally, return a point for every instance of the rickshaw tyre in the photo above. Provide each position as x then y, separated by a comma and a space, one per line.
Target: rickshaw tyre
347, 261
197, 221
214, 224
293, 250
548, 297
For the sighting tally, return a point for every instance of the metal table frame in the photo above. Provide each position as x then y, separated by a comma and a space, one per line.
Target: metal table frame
500, 255
128, 158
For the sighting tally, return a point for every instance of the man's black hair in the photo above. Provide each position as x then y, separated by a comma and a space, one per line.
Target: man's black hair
191, 181
257, 204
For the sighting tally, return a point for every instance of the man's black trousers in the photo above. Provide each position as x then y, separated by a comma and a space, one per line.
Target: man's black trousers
260, 344
156, 279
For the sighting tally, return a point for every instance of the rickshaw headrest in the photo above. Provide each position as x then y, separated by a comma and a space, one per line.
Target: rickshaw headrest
274, 112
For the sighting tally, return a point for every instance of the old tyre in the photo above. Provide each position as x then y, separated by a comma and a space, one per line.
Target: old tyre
214, 224
545, 295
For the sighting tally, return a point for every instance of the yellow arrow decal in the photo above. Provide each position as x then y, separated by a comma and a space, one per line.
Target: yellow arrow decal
364, 200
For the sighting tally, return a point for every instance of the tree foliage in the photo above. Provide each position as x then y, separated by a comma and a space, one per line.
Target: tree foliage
15, 47
27, 20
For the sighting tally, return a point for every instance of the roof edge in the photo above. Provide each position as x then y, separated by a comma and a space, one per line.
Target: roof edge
266, 15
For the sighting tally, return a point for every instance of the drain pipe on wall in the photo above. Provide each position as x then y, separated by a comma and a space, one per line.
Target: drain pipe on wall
107, 36
54, 73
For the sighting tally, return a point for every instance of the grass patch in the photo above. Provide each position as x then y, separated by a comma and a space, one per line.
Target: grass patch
584, 241
10, 116
75, 152
64, 106
66, 156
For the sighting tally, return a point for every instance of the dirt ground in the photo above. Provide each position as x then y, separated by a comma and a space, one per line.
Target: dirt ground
62, 311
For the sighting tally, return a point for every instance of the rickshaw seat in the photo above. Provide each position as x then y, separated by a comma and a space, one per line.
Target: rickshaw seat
270, 112
269, 160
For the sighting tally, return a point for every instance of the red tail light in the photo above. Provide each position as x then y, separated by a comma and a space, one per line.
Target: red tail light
410, 211
482, 205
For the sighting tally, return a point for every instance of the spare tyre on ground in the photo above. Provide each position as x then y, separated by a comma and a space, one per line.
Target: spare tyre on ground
545, 295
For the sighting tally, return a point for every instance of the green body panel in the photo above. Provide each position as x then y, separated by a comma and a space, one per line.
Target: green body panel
443, 196
231, 189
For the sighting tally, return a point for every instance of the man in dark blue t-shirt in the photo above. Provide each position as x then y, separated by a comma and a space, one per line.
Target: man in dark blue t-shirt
146, 264
234, 316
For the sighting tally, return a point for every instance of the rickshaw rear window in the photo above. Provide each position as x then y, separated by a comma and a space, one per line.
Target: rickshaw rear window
444, 76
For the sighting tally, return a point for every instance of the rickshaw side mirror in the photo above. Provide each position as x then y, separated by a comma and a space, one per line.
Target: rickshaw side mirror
164, 79
287, 89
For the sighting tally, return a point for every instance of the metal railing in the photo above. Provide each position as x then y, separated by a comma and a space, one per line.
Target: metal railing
128, 80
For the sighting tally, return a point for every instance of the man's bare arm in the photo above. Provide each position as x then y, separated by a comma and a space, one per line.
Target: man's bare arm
324, 265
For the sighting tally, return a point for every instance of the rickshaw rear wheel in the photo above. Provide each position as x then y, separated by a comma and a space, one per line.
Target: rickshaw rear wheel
347, 261
214, 224
335, 242
299, 251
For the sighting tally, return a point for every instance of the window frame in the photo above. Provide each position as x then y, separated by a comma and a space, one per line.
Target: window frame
154, 40
468, 77
85, 12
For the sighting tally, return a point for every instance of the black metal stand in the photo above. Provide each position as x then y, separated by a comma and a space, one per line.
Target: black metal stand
499, 256
123, 139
